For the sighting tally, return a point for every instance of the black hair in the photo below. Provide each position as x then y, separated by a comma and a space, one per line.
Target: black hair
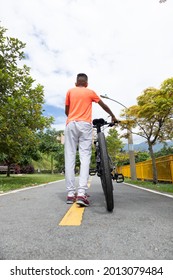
82, 76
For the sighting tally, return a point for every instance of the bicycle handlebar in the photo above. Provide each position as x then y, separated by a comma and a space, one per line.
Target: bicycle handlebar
101, 122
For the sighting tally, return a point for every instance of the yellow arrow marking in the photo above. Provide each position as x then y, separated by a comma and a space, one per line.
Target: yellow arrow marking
73, 217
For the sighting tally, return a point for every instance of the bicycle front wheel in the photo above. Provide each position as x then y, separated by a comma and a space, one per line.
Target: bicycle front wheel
106, 178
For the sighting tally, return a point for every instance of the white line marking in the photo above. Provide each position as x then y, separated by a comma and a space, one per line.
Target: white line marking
148, 190
29, 188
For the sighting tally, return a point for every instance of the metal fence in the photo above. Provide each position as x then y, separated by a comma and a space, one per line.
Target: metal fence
144, 169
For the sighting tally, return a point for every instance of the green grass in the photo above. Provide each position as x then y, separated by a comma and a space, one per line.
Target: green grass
43, 164
21, 181
162, 187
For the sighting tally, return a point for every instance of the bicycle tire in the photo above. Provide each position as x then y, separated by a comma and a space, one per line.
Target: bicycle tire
106, 178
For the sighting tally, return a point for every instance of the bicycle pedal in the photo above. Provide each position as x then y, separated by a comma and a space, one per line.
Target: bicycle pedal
92, 172
120, 178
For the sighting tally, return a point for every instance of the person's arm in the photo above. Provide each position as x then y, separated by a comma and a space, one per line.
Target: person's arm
67, 110
108, 110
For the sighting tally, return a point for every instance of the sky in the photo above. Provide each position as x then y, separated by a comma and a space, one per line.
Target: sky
124, 46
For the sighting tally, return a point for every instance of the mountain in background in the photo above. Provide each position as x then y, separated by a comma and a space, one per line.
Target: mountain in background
143, 146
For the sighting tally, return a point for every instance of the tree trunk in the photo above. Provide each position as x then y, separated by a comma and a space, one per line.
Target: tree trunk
52, 171
154, 168
8, 170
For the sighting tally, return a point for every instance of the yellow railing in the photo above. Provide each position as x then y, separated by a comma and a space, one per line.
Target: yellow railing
144, 169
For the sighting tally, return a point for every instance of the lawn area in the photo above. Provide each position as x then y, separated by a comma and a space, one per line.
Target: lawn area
161, 187
21, 181
28, 180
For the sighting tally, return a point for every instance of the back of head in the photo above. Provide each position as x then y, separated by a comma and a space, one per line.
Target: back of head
82, 80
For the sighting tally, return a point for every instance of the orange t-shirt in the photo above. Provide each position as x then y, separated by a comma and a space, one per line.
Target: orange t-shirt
79, 100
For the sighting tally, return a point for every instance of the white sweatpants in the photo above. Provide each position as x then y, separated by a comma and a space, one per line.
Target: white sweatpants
77, 134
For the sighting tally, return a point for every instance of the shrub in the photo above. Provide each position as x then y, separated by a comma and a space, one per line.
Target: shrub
27, 169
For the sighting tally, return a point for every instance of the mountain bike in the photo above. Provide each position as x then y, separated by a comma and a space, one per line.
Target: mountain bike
104, 167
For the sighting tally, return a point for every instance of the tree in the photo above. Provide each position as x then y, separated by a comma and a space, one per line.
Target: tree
123, 158
59, 158
50, 145
114, 144
164, 151
21, 112
141, 156
153, 115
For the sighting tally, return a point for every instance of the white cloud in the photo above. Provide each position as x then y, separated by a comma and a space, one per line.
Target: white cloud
123, 45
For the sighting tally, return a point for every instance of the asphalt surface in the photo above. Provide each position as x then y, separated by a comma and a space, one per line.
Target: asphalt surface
140, 227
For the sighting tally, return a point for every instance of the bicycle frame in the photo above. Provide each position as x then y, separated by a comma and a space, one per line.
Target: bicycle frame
98, 123
104, 167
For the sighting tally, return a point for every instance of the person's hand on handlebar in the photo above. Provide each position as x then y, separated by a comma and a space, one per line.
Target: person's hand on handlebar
114, 119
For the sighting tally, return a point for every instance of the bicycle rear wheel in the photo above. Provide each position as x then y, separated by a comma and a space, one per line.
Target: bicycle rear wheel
106, 178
